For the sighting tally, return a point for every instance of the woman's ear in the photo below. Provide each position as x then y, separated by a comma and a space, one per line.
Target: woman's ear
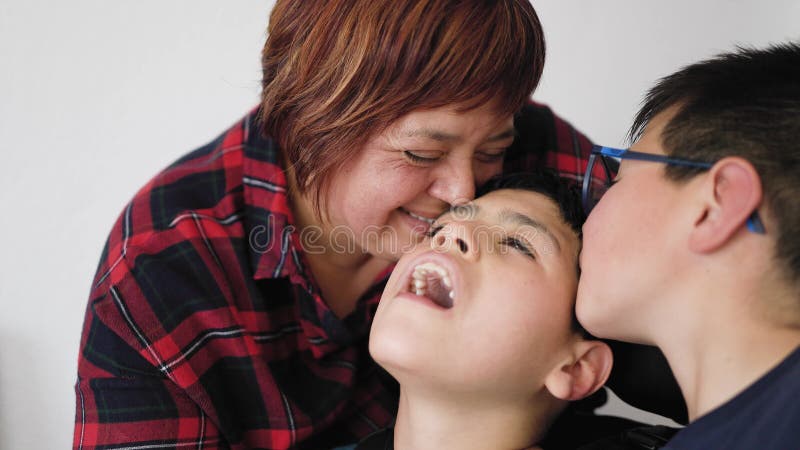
733, 192
585, 372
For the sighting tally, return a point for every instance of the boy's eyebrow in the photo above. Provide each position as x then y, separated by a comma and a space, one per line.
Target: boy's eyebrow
507, 216
517, 218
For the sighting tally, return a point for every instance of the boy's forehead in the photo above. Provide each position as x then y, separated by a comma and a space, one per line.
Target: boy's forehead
537, 206
519, 200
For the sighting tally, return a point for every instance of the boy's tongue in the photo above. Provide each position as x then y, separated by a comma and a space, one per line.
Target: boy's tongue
438, 292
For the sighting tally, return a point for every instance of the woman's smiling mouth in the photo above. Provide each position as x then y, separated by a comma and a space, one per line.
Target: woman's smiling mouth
427, 220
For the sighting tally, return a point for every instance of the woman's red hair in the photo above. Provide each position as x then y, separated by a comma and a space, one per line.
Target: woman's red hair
335, 72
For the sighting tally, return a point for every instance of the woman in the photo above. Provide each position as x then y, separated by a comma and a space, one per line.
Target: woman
233, 299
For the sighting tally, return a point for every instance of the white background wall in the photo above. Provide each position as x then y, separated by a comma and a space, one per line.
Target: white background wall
97, 96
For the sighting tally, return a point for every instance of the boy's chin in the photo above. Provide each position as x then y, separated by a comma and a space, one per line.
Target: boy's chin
402, 361
391, 355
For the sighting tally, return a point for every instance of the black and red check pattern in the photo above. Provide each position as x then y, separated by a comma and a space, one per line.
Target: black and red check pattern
204, 330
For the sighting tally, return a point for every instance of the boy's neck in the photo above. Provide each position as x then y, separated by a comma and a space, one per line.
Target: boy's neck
724, 346
434, 422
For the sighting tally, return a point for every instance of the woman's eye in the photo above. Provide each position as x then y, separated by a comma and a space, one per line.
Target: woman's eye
490, 157
419, 159
433, 230
518, 245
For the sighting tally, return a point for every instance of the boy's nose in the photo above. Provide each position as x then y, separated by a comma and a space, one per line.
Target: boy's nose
457, 236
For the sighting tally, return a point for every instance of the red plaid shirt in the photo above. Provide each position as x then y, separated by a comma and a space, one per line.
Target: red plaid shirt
203, 328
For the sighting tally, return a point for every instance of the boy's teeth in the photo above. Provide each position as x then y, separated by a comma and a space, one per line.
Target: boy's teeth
419, 278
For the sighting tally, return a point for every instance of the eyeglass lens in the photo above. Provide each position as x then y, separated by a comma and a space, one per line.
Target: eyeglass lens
599, 182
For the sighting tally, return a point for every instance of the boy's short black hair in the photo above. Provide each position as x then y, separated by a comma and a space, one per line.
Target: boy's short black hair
564, 193
747, 104
546, 182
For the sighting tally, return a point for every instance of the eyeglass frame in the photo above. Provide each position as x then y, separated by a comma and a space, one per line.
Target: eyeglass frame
754, 223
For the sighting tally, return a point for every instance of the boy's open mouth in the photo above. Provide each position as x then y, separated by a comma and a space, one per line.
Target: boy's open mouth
432, 281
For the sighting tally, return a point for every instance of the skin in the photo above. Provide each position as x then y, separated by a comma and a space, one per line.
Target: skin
672, 264
492, 370
368, 228
631, 226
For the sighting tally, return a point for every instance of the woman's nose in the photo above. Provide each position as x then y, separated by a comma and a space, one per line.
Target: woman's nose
454, 183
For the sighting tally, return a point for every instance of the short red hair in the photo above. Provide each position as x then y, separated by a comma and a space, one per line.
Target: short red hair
336, 72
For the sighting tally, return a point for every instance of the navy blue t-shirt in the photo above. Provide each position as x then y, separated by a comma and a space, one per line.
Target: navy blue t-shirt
764, 416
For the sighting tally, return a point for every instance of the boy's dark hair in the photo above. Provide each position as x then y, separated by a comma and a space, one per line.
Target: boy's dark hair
546, 182
746, 104
564, 193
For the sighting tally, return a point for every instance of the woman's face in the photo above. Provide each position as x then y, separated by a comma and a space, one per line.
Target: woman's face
383, 201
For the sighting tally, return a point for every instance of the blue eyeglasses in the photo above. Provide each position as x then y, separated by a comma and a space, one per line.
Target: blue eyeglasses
595, 187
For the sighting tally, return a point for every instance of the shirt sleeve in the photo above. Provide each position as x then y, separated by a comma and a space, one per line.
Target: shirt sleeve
139, 412
137, 386
171, 353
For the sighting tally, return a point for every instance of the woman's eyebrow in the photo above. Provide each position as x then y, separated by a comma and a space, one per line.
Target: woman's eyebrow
430, 133
442, 136
517, 218
509, 133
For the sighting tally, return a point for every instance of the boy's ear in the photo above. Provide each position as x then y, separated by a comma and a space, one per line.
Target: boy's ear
584, 373
733, 192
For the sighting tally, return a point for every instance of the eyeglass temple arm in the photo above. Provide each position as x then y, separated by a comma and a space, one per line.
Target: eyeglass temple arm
628, 154
754, 223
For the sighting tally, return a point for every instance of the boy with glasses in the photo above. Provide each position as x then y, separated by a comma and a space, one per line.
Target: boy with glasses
693, 246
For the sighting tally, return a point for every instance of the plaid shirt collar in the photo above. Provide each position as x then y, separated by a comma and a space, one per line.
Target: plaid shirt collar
275, 250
